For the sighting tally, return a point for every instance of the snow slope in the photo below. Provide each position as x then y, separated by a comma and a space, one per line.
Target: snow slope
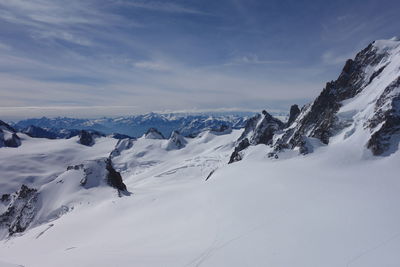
39, 160
328, 208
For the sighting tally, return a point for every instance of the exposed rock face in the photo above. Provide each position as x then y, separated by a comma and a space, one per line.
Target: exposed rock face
11, 141
293, 114
20, 211
236, 156
29, 207
122, 144
5, 198
87, 138
153, 133
259, 129
114, 178
319, 119
99, 172
265, 129
176, 141
364, 98
8, 136
387, 115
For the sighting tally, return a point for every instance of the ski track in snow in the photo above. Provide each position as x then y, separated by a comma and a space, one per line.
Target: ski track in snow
198, 261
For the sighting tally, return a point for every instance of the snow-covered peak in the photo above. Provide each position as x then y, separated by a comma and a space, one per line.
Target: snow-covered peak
8, 136
361, 108
176, 141
153, 133
387, 45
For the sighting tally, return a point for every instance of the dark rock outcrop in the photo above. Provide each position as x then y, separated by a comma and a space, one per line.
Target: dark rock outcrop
87, 138
8, 136
259, 129
99, 172
236, 156
21, 210
13, 141
5, 198
386, 138
293, 114
114, 178
265, 129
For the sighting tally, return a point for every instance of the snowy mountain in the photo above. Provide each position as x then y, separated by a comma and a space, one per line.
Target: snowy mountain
153, 133
8, 136
320, 189
50, 133
186, 124
362, 105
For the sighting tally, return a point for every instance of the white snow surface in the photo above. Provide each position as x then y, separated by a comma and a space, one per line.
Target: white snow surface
335, 207
39, 160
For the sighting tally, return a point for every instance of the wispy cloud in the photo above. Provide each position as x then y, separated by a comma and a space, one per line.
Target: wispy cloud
163, 7
253, 59
68, 36
153, 65
58, 20
56, 12
332, 58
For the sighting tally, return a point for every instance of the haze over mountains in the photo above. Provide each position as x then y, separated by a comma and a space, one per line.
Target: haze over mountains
318, 189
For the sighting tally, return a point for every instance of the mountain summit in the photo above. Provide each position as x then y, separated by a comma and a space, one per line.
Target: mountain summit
362, 105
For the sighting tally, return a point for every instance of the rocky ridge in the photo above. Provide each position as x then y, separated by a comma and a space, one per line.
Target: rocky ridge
366, 93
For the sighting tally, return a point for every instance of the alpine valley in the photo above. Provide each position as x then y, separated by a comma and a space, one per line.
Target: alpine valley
319, 187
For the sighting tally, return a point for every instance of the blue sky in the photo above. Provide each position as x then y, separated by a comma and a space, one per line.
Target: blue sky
116, 57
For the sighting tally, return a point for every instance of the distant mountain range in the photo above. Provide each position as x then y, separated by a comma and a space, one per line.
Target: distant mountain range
136, 126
